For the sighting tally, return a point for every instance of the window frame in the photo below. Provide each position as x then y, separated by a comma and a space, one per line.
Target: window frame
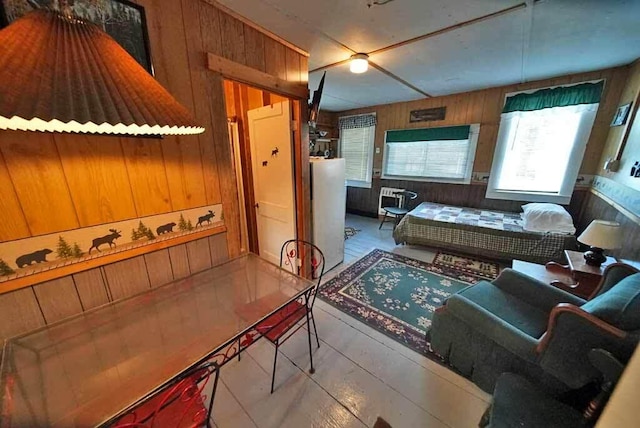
367, 184
474, 132
563, 197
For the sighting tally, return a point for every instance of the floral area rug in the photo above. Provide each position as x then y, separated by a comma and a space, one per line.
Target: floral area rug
398, 295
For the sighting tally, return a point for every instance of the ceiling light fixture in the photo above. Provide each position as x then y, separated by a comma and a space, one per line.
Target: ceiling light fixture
359, 63
59, 73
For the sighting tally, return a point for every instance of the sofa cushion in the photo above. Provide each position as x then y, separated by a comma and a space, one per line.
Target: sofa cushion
520, 314
620, 305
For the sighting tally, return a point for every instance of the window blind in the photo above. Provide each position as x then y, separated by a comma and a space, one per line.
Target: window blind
356, 146
441, 154
539, 153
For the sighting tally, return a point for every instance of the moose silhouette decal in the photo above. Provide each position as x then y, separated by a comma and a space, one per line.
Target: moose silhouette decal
37, 257
106, 239
265, 163
275, 152
206, 217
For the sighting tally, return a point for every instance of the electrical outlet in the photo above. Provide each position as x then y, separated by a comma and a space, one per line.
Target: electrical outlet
377, 150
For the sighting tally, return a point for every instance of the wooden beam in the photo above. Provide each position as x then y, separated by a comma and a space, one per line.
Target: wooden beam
335, 64
242, 73
48, 275
257, 27
450, 28
397, 78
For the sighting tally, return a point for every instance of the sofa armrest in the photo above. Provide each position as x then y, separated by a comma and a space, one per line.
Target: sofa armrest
571, 334
533, 291
494, 328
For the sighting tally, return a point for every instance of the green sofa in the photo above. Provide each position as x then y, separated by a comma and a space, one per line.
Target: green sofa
520, 325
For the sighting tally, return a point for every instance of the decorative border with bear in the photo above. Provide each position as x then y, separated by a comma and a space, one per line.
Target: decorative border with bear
29, 256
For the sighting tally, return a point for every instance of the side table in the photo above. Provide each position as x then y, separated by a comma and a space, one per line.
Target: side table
583, 279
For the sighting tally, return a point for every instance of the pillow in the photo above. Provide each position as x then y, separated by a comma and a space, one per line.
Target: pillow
547, 218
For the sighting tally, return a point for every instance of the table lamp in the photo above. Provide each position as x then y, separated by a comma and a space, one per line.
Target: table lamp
600, 235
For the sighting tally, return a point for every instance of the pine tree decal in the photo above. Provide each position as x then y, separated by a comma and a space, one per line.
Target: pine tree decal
64, 250
189, 225
5, 269
135, 235
182, 224
77, 252
142, 232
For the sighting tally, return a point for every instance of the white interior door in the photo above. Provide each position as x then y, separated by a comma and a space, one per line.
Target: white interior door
273, 180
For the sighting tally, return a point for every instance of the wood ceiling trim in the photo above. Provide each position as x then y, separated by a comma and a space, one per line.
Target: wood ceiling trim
399, 79
335, 64
450, 28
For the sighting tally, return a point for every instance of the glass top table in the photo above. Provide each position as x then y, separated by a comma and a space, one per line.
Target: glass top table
85, 370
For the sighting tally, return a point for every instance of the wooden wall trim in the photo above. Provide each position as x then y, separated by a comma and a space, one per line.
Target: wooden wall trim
257, 27
631, 216
49, 275
241, 73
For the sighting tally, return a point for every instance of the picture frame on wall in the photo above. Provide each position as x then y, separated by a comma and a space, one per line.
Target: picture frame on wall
621, 115
427, 115
123, 20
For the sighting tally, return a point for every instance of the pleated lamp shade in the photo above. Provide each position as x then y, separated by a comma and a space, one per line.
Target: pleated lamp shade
64, 74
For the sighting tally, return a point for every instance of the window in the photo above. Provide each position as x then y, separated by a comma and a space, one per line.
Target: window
541, 142
431, 154
356, 147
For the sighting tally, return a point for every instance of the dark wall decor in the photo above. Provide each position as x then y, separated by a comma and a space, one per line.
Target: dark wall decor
427, 115
121, 19
621, 115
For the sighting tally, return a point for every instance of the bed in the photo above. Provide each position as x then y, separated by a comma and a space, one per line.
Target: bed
493, 234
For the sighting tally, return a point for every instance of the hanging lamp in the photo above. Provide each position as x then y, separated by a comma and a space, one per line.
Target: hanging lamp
60, 73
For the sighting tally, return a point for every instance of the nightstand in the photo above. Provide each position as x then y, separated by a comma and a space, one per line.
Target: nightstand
576, 276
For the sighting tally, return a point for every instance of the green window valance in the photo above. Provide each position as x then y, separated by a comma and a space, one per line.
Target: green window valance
428, 134
585, 93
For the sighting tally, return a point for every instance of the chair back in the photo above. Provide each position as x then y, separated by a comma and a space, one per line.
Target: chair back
180, 403
404, 197
613, 274
304, 259
619, 305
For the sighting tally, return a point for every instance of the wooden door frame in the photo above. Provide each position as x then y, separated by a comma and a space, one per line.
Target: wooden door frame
298, 94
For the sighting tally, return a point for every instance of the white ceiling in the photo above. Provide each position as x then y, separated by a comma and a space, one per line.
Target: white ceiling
545, 39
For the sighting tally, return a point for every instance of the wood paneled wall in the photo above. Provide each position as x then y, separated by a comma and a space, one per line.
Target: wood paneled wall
32, 307
55, 182
631, 152
483, 107
594, 208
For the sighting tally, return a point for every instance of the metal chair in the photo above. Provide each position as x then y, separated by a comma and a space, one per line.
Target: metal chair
179, 403
300, 257
400, 210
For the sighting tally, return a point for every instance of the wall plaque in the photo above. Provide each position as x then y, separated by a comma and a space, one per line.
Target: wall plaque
428, 114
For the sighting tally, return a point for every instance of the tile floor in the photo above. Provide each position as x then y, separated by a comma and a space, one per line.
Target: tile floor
360, 373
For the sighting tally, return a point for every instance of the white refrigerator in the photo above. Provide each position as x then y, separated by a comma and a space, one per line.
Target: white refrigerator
328, 208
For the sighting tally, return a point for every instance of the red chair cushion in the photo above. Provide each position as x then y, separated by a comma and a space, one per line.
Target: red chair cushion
280, 322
